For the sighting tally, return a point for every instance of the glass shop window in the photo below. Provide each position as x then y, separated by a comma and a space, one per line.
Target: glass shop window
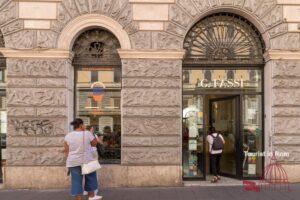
98, 94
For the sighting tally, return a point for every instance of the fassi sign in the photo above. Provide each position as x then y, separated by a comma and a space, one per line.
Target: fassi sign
216, 83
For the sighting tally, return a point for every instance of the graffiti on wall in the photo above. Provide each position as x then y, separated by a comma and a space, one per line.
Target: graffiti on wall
33, 127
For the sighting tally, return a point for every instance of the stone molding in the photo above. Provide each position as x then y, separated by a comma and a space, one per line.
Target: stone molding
35, 53
151, 1
152, 54
79, 24
288, 2
38, 0
282, 55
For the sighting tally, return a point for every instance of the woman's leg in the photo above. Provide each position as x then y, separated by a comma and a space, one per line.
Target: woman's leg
91, 183
76, 178
218, 160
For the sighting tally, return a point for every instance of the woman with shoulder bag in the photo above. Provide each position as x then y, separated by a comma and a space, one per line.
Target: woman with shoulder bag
78, 144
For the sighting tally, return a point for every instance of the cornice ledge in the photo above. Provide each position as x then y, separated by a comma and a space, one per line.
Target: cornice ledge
152, 54
282, 55
35, 53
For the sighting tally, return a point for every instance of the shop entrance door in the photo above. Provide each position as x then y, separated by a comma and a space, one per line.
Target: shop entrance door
224, 117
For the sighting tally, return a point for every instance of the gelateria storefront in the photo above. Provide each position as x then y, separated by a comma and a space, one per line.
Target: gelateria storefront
223, 88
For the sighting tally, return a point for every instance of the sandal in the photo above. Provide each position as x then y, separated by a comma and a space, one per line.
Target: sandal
214, 180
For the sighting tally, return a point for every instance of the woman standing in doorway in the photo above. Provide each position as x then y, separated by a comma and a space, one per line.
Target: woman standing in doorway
216, 143
78, 144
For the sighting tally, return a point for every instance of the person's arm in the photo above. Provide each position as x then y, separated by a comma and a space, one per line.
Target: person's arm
93, 140
66, 149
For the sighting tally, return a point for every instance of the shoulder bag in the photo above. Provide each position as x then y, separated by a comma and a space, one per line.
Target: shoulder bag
92, 166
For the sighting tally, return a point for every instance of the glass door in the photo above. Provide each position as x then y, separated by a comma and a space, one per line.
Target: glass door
193, 137
224, 118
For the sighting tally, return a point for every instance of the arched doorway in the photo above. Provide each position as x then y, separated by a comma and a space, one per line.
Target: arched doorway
223, 53
98, 88
3, 109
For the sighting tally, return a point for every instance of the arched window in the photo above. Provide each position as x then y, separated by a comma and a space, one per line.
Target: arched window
224, 38
98, 88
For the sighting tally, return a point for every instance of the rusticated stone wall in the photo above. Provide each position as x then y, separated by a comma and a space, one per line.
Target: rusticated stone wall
151, 112
286, 108
37, 100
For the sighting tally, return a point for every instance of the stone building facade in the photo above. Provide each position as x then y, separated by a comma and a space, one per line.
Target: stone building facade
38, 38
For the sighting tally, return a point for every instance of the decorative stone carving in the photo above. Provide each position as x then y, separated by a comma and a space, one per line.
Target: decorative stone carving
8, 12
151, 97
274, 17
278, 30
288, 41
141, 40
252, 5
166, 112
117, 8
188, 6
24, 39
21, 111
46, 39
151, 83
178, 16
132, 28
286, 111
151, 126
105, 7
151, 141
281, 123
35, 156
21, 82
151, 68
175, 29
226, 2
35, 141
126, 15
239, 3
37, 127
286, 83
136, 111
153, 112
14, 26
163, 40
265, 7
151, 156
286, 97
201, 5
63, 15
286, 69
36, 97
51, 82
51, 112
83, 6
214, 3
70, 5
37, 68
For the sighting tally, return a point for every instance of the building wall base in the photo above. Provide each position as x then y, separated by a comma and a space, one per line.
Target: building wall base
109, 176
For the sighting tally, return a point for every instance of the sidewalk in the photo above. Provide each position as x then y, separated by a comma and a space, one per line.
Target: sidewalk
180, 193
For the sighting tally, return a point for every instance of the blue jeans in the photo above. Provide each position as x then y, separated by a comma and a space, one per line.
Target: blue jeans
90, 184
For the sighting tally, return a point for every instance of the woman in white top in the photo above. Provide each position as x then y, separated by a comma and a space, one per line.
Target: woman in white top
78, 144
216, 142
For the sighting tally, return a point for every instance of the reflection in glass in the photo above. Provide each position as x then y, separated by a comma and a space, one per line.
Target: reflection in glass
252, 139
98, 96
223, 118
193, 134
